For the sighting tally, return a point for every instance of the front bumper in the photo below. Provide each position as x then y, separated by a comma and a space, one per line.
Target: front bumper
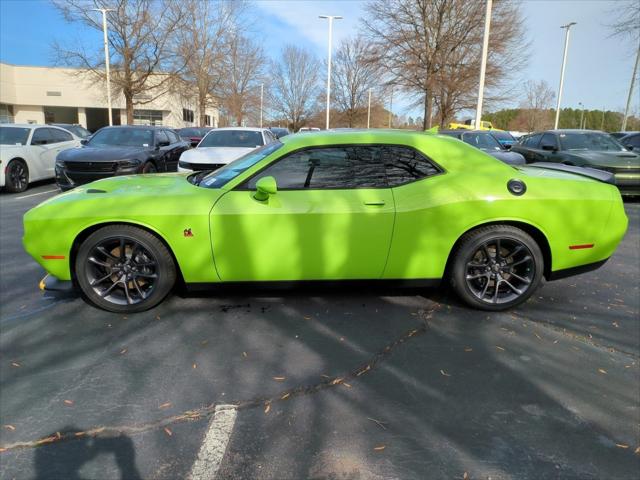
54, 284
72, 175
198, 167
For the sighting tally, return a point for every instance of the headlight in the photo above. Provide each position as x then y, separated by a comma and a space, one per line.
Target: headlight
128, 164
182, 164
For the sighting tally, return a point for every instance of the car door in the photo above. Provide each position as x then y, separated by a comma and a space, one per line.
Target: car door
164, 151
331, 218
529, 147
176, 148
548, 149
44, 148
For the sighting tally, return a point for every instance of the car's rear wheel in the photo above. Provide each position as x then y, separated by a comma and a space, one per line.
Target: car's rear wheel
149, 167
17, 176
496, 267
124, 269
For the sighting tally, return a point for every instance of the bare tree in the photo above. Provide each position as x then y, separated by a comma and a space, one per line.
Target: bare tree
243, 72
537, 104
352, 77
431, 48
627, 20
201, 44
139, 39
294, 85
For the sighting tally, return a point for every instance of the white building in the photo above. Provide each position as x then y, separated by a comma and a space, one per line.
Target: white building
66, 95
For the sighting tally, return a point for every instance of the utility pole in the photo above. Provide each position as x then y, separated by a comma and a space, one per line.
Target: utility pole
602, 123
106, 56
261, 97
331, 19
369, 111
633, 81
483, 63
581, 114
564, 63
391, 109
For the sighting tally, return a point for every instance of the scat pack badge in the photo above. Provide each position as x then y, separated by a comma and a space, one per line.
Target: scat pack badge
187, 232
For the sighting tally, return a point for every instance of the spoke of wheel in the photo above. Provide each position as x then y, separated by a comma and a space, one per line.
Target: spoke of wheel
518, 277
126, 291
478, 275
135, 284
98, 262
486, 287
525, 259
516, 250
486, 252
108, 290
476, 265
122, 255
100, 280
519, 292
497, 248
495, 294
107, 254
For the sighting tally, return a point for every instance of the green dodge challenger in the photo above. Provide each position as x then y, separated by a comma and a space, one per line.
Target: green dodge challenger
331, 206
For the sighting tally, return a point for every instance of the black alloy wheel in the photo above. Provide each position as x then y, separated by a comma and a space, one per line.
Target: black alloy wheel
497, 267
17, 176
122, 268
149, 167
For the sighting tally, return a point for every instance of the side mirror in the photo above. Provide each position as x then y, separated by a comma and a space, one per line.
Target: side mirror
264, 187
163, 144
629, 147
550, 148
507, 146
84, 141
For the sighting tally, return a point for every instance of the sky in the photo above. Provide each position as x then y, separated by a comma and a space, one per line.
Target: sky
598, 69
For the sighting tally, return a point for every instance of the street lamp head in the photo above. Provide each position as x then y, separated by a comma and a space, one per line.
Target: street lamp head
568, 25
337, 17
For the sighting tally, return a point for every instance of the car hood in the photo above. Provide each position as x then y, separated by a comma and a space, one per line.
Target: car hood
608, 159
95, 154
213, 154
512, 158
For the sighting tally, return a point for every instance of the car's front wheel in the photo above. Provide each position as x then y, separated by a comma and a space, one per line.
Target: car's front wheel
496, 267
124, 269
17, 176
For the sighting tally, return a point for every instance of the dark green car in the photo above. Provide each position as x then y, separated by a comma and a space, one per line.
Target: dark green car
584, 148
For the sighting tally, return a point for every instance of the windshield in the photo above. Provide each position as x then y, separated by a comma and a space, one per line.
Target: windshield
504, 136
78, 131
123, 137
232, 138
589, 141
193, 132
482, 141
13, 136
230, 171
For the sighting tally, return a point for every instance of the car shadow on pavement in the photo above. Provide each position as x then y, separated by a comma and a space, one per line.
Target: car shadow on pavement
67, 460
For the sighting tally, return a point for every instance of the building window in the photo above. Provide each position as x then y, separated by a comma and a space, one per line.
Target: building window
207, 120
187, 115
6, 113
147, 117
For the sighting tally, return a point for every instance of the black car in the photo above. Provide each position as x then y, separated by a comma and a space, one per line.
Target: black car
584, 148
280, 132
193, 135
485, 141
631, 141
78, 130
123, 150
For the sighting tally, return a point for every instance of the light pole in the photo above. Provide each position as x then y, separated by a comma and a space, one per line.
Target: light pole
483, 64
633, 80
369, 111
391, 109
564, 63
581, 113
106, 56
331, 19
261, 97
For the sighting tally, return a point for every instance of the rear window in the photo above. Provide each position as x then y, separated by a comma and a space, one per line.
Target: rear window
232, 138
13, 136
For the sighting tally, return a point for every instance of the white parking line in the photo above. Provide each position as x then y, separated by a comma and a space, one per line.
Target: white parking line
215, 443
34, 194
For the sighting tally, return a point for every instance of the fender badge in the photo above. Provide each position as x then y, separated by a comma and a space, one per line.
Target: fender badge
187, 232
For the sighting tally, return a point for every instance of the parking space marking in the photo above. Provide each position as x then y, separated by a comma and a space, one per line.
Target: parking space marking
215, 443
34, 194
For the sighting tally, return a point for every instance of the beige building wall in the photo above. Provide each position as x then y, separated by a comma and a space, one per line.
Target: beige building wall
29, 92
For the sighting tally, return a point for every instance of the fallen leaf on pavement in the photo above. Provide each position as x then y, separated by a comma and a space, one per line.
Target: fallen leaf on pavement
285, 396
10, 427
123, 351
167, 431
465, 476
15, 364
346, 384
499, 348
637, 451
195, 366
335, 381
621, 445
307, 318
601, 370
279, 379
267, 408
244, 354
444, 373
468, 349
165, 405
379, 448
68, 402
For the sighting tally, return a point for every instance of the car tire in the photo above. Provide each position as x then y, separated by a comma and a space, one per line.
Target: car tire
17, 176
149, 167
496, 267
124, 269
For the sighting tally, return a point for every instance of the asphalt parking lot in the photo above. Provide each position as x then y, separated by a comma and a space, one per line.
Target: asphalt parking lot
355, 384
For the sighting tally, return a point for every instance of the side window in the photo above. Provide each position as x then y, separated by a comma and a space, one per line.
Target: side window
326, 168
161, 137
403, 165
548, 140
634, 141
268, 138
173, 136
60, 135
533, 140
41, 137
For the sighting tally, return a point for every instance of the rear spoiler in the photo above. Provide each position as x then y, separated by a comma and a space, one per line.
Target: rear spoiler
595, 174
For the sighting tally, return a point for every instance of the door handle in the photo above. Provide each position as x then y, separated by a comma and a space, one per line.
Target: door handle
375, 202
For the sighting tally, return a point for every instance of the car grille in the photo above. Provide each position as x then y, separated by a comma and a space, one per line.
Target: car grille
92, 167
198, 167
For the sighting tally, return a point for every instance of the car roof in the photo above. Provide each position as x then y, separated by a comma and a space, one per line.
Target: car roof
30, 125
245, 129
571, 130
